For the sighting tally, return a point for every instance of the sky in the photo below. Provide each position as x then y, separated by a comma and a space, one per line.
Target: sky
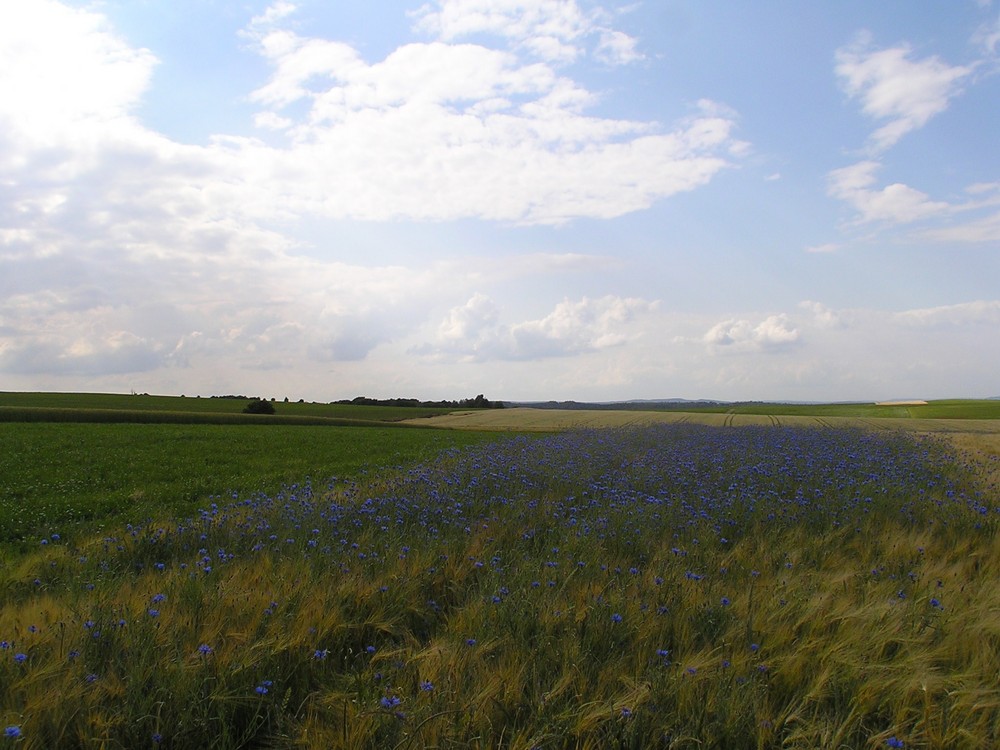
529, 199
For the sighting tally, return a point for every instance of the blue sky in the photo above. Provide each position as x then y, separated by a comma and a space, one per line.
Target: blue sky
530, 199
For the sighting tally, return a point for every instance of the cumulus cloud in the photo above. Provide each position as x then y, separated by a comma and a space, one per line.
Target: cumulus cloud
557, 31
895, 203
472, 331
822, 316
891, 86
126, 251
774, 333
448, 129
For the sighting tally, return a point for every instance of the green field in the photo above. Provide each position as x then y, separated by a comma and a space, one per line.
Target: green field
942, 409
109, 407
54, 476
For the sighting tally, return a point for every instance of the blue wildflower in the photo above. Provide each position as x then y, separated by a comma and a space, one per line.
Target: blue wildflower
13, 732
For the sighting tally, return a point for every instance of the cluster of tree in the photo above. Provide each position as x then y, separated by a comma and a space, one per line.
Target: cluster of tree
259, 406
479, 402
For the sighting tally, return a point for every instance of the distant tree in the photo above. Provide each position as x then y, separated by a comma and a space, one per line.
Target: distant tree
259, 406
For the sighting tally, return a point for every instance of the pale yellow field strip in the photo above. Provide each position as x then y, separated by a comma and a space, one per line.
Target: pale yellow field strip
524, 419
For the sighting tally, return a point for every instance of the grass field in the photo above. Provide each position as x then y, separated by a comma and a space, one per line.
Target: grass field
784, 582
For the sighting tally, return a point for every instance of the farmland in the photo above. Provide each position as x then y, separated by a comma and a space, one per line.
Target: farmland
144, 408
752, 583
57, 475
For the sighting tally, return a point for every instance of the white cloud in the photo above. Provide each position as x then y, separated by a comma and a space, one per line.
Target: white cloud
967, 315
826, 247
51, 57
987, 36
893, 87
472, 331
822, 316
774, 333
438, 131
895, 203
551, 30
617, 48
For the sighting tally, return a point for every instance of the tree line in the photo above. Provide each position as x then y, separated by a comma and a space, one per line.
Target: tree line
479, 402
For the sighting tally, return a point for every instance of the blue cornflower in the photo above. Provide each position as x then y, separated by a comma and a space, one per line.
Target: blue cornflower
157, 738
936, 604
427, 685
894, 742
389, 702
470, 642
755, 647
204, 649
154, 613
725, 601
616, 617
13, 732
20, 658
321, 654
626, 712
